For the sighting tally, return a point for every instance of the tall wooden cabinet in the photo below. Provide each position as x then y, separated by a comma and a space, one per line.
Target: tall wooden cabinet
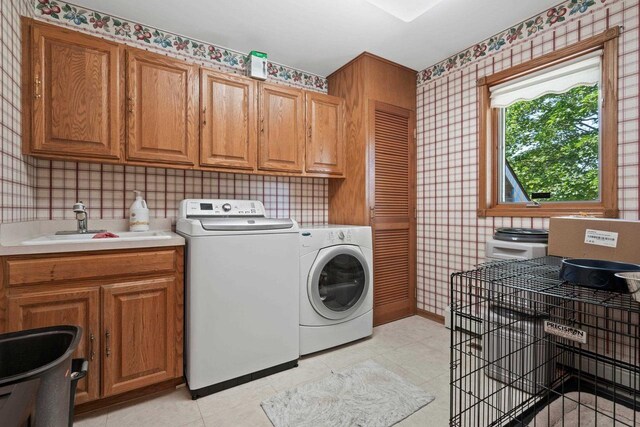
73, 93
379, 188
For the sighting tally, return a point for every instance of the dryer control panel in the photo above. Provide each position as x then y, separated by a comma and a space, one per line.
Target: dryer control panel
337, 236
207, 208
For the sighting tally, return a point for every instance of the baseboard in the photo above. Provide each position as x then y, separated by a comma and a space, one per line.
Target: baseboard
143, 392
431, 316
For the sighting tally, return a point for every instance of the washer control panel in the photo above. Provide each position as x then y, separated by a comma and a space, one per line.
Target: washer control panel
220, 207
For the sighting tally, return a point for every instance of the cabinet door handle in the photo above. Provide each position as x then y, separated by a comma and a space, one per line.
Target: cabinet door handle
372, 213
92, 353
130, 104
204, 116
262, 125
36, 87
108, 349
309, 133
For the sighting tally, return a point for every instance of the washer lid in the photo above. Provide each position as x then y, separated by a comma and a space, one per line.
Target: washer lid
240, 224
525, 235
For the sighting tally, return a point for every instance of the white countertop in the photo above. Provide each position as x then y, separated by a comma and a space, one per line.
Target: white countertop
13, 234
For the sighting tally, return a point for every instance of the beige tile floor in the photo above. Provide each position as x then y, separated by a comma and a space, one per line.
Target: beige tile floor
414, 348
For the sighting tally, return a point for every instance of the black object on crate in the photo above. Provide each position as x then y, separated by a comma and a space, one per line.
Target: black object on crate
598, 274
36, 376
523, 235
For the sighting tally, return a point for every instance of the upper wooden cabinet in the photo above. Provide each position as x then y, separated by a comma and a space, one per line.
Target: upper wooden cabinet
88, 99
162, 104
325, 134
229, 121
282, 121
71, 94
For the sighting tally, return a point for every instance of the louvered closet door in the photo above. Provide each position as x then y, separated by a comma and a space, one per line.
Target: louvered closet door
393, 198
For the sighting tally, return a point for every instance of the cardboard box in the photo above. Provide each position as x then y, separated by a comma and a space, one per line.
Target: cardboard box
595, 238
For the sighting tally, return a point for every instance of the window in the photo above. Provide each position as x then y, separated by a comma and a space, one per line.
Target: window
548, 134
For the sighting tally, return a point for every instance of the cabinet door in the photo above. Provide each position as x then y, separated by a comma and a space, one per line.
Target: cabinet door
76, 94
64, 307
325, 134
162, 103
229, 122
281, 129
139, 321
392, 173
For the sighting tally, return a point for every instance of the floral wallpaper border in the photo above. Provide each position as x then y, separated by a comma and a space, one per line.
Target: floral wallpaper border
521, 31
135, 33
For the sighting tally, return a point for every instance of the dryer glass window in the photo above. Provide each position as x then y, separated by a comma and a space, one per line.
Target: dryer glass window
341, 282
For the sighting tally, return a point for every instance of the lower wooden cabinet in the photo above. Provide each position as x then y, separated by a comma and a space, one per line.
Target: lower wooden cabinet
64, 307
139, 332
132, 321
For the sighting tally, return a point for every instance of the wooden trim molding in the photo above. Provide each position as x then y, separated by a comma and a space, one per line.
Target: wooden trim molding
488, 197
431, 316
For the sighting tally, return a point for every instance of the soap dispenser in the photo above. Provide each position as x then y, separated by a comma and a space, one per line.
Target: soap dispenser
138, 214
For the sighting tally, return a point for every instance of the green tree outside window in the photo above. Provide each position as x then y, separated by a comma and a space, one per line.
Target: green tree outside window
552, 144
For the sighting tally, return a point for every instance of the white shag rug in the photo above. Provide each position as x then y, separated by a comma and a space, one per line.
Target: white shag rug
364, 395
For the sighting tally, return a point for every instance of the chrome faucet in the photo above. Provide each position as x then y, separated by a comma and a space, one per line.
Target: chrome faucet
83, 221
81, 215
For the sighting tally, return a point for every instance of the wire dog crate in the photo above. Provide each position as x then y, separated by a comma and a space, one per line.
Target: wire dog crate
530, 350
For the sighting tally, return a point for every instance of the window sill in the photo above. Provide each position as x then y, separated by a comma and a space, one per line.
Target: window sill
547, 211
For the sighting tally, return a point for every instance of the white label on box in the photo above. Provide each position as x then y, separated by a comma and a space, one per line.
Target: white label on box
564, 331
601, 238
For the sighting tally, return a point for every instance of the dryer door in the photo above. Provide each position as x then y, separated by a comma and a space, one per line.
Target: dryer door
338, 281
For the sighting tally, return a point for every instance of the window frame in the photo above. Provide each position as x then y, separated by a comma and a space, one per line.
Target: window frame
489, 127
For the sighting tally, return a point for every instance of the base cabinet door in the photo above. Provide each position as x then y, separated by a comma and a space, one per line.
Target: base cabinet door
64, 307
139, 322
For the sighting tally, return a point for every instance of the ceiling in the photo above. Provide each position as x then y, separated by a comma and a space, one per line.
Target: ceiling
320, 36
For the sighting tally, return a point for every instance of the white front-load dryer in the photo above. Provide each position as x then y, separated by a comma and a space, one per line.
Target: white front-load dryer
336, 286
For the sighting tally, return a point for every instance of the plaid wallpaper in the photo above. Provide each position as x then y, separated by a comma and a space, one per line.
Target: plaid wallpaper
450, 235
17, 173
107, 190
41, 189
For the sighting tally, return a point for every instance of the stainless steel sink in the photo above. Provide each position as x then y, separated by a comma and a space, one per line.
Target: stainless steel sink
75, 232
131, 236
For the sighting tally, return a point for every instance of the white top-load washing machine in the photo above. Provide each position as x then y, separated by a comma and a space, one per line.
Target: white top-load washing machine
336, 286
242, 303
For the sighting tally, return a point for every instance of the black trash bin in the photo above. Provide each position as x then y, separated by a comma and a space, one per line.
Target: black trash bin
36, 371
79, 368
